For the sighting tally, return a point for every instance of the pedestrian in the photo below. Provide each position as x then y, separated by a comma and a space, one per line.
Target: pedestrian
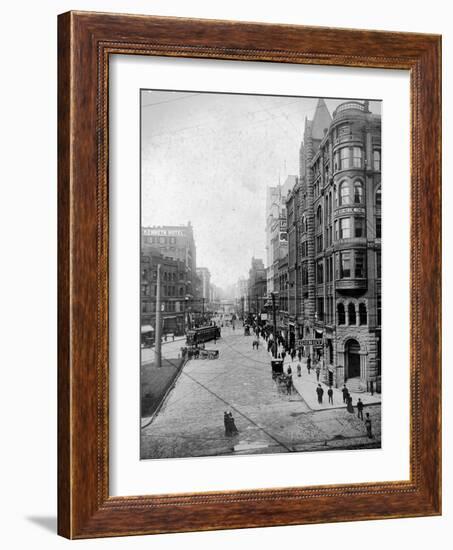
360, 408
350, 406
320, 393
368, 426
173, 336
330, 395
372, 387
233, 429
299, 355
308, 364
226, 421
299, 369
345, 392
318, 372
289, 384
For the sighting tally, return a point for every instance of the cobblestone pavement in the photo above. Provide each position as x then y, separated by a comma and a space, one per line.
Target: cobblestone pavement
190, 421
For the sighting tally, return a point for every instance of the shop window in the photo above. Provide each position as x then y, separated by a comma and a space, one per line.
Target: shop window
341, 314
351, 314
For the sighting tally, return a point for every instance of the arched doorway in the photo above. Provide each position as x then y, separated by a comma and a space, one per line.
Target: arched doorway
352, 358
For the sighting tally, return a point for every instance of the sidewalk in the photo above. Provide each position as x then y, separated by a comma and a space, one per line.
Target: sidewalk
306, 386
169, 348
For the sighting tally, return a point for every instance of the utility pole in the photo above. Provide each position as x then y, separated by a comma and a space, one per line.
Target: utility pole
274, 319
158, 328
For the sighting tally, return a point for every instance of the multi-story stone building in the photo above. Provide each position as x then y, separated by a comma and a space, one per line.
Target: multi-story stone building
334, 224
173, 284
277, 250
256, 286
176, 242
242, 296
204, 277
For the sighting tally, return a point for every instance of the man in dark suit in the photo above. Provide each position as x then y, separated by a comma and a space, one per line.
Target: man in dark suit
320, 393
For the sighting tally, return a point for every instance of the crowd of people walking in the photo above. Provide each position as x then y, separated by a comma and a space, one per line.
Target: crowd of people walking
278, 348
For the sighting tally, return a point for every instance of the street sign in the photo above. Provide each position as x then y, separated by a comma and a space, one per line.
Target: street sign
311, 342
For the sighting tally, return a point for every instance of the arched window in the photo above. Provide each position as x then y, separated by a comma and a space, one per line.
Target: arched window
351, 314
377, 160
378, 200
303, 224
341, 314
362, 314
319, 217
344, 194
358, 192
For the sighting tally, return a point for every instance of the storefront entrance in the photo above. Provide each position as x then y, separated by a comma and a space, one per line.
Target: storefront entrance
352, 359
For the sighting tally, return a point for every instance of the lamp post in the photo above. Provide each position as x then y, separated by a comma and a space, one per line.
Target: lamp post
274, 320
158, 328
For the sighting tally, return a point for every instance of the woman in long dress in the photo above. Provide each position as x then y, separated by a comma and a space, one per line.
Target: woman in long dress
233, 429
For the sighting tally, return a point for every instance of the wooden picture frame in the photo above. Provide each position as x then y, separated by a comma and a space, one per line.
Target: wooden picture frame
85, 42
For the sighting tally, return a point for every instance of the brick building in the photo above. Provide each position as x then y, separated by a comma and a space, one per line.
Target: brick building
174, 284
176, 242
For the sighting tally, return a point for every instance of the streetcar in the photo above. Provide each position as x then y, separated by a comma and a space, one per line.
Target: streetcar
202, 334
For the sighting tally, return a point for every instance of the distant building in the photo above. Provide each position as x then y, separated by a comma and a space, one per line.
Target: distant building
173, 292
256, 286
176, 242
276, 229
243, 296
205, 283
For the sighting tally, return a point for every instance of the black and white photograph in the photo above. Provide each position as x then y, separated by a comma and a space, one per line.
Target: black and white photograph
260, 274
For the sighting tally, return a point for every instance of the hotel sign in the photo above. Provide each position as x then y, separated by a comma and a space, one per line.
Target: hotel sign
147, 232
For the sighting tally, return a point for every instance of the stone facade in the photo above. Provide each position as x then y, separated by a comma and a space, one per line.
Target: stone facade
334, 223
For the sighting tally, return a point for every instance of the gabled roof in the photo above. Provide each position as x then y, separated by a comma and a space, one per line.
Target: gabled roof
321, 120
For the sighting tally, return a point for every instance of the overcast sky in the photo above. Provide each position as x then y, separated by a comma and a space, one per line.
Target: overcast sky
208, 158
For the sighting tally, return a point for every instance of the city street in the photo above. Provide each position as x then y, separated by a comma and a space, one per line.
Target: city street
190, 421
